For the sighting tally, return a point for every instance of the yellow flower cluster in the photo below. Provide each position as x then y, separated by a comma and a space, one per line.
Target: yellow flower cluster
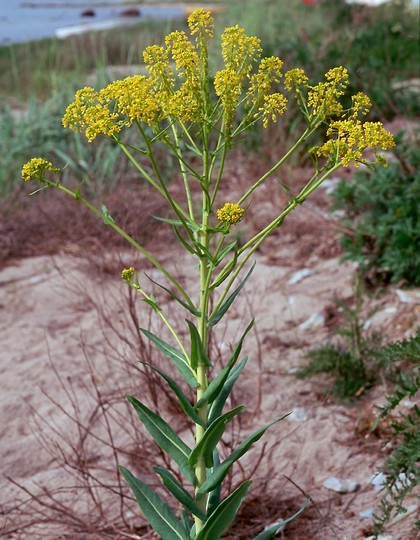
201, 22
295, 78
231, 213
36, 168
274, 105
351, 139
127, 274
90, 114
324, 98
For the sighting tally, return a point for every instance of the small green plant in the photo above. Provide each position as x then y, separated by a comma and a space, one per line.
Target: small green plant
197, 117
402, 466
351, 361
381, 209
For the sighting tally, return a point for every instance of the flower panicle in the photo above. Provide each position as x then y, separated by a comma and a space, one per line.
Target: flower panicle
36, 169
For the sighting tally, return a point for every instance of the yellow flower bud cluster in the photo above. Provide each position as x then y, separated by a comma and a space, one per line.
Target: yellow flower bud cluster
351, 138
36, 169
127, 274
230, 213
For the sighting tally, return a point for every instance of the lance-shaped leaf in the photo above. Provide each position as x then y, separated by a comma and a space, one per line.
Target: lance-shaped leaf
213, 389
182, 398
225, 513
215, 496
221, 471
179, 359
223, 253
216, 407
190, 307
198, 352
277, 527
158, 513
211, 437
179, 492
165, 437
229, 301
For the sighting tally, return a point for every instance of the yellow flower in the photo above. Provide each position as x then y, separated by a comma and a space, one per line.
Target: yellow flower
127, 274
295, 78
89, 113
231, 213
36, 169
239, 51
269, 73
351, 139
274, 105
201, 22
324, 98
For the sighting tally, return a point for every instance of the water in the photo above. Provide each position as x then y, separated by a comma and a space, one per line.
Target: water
28, 20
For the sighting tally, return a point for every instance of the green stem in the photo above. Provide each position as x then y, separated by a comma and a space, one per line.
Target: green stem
307, 133
254, 243
200, 467
127, 237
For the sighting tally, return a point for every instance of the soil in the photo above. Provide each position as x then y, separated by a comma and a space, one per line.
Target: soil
69, 351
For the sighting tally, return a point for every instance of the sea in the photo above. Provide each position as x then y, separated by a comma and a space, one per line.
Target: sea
30, 20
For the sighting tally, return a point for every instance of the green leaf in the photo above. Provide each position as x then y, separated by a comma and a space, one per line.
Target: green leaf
190, 308
198, 352
211, 437
223, 254
179, 492
221, 471
214, 497
229, 301
182, 398
158, 513
179, 359
216, 385
165, 437
276, 528
216, 407
225, 513
106, 216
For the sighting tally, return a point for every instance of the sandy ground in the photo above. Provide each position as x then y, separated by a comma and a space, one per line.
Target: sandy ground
65, 332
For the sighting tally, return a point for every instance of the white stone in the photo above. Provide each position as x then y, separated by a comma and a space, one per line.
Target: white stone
316, 319
380, 537
408, 297
368, 513
377, 481
341, 485
299, 275
299, 414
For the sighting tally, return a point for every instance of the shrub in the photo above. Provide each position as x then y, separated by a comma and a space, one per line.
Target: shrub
382, 219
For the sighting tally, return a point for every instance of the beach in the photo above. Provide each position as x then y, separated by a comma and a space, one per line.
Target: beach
23, 21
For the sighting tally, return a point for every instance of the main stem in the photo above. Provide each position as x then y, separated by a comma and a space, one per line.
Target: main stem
204, 238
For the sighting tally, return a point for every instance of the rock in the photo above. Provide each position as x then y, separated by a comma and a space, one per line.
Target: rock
408, 297
130, 12
299, 275
380, 537
377, 481
299, 414
341, 485
368, 513
316, 319
88, 13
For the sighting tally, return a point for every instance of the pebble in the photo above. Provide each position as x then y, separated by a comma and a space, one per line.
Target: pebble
368, 513
408, 297
377, 481
299, 275
316, 319
380, 537
341, 485
299, 414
